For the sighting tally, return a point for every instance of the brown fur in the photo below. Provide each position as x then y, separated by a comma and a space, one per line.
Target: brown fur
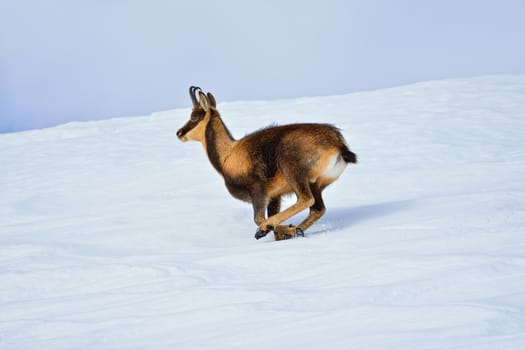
271, 162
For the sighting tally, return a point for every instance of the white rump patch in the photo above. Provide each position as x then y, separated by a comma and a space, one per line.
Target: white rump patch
335, 167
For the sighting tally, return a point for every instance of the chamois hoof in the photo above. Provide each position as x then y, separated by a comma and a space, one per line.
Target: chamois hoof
283, 232
260, 233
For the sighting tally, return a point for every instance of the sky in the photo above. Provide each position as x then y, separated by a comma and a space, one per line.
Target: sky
63, 60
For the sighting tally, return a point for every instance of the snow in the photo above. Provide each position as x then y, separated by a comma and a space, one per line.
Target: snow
115, 235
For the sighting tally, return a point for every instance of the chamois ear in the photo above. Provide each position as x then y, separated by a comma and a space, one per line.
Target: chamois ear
203, 101
211, 99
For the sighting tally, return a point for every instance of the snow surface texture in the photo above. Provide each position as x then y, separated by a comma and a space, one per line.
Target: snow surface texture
115, 235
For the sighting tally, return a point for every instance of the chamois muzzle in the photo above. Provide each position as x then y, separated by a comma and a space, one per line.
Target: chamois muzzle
181, 133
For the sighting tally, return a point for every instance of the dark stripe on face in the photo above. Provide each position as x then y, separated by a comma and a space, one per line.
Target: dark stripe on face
197, 115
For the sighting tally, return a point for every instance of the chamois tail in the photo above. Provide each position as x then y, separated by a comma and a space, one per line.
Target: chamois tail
348, 156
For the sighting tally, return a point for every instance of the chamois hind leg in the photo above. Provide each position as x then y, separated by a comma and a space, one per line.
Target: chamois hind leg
316, 210
280, 232
305, 199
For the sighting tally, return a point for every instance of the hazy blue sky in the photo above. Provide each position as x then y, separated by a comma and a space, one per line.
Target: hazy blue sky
64, 60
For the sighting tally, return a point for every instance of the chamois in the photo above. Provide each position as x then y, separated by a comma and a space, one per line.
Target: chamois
267, 164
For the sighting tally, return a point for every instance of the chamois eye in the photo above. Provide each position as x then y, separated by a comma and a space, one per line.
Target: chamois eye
194, 117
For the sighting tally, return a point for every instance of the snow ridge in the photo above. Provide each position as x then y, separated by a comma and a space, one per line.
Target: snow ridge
103, 245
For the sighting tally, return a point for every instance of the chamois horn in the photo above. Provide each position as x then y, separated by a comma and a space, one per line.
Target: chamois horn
193, 89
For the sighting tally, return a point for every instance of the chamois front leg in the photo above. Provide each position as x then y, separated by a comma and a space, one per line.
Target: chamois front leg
274, 207
260, 203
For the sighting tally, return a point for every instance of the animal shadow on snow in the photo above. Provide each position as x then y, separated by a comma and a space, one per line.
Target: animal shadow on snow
343, 217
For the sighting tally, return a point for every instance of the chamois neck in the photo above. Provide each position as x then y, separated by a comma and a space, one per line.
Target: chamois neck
218, 141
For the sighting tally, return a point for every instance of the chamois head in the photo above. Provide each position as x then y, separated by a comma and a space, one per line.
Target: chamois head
194, 128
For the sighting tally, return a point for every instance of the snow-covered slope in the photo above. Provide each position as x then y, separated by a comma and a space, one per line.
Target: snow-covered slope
115, 235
